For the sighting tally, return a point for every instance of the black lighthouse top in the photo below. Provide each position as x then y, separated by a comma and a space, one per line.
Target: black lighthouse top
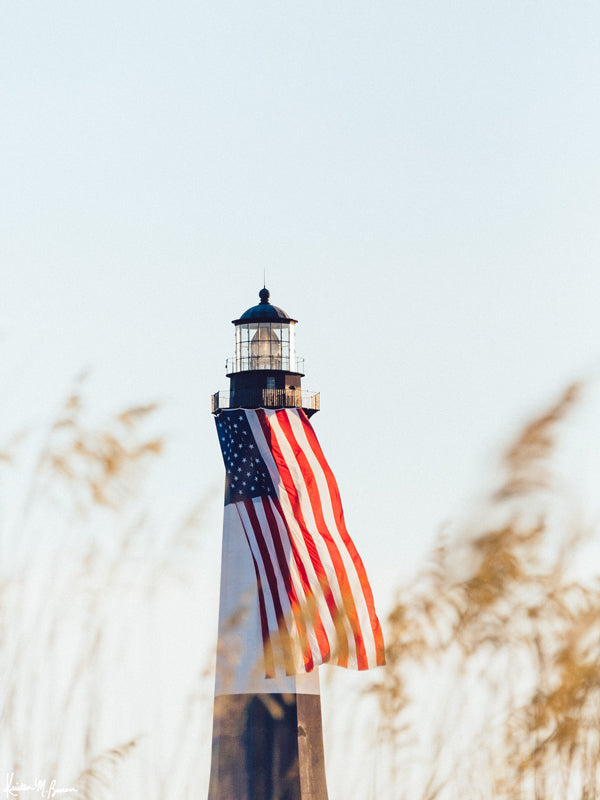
265, 371
264, 311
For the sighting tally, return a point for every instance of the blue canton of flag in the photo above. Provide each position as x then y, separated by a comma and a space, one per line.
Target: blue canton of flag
247, 473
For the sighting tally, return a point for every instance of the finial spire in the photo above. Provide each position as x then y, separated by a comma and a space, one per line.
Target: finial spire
264, 295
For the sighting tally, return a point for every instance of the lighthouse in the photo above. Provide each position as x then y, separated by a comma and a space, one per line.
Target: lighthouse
294, 593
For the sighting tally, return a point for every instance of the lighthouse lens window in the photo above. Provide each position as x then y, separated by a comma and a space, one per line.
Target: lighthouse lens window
242, 345
265, 348
264, 345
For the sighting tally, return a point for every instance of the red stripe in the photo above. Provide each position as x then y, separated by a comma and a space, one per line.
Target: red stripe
313, 610
320, 571
349, 607
341, 525
264, 621
274, 591
287, 581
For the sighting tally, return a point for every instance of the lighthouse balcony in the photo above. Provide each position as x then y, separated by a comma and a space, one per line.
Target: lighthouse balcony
246, 363
310, 402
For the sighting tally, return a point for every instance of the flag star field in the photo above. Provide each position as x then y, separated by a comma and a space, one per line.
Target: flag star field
247, 475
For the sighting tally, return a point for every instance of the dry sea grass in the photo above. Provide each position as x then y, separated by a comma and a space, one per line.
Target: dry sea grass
96, 781
65, 637
517, 631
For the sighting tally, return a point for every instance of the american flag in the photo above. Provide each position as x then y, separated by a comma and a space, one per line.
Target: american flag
315, 602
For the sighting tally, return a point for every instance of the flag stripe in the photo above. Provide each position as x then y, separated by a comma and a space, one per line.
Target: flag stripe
277, 598
270, 613
315, 496
363, 630
315, 602
307, 498
284, 565
264, 622
300, 548
327, 582
316, 631
272, 541
340, 525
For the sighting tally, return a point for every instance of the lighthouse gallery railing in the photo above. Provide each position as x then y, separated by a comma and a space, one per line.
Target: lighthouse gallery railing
271, 398
248, 363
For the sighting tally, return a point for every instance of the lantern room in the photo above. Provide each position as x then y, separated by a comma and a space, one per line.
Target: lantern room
265, 371
264, 338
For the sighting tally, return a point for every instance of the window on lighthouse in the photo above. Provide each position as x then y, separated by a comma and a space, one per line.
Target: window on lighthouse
264, 345
265, 348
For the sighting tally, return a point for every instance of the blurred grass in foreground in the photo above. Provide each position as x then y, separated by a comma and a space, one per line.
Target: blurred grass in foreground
100, 688
496, 645
492, 688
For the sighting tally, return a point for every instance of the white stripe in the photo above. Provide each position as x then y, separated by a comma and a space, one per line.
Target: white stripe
308, 613
294, 528
311, 524
240, 664
288, 615
328, 514
270, 608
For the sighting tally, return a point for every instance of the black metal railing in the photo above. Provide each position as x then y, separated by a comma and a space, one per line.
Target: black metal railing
267, 398
245, 363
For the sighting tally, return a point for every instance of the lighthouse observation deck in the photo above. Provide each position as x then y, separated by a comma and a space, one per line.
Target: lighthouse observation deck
310, 402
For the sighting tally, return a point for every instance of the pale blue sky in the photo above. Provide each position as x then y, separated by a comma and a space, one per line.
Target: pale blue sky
420, 181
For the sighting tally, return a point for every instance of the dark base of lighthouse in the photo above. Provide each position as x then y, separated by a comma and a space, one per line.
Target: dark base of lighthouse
267, 747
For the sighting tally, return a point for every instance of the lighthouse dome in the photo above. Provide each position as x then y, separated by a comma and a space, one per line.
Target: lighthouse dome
264, 311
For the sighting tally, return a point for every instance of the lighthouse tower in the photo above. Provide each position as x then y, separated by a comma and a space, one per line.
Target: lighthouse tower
294, 591
267, 736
